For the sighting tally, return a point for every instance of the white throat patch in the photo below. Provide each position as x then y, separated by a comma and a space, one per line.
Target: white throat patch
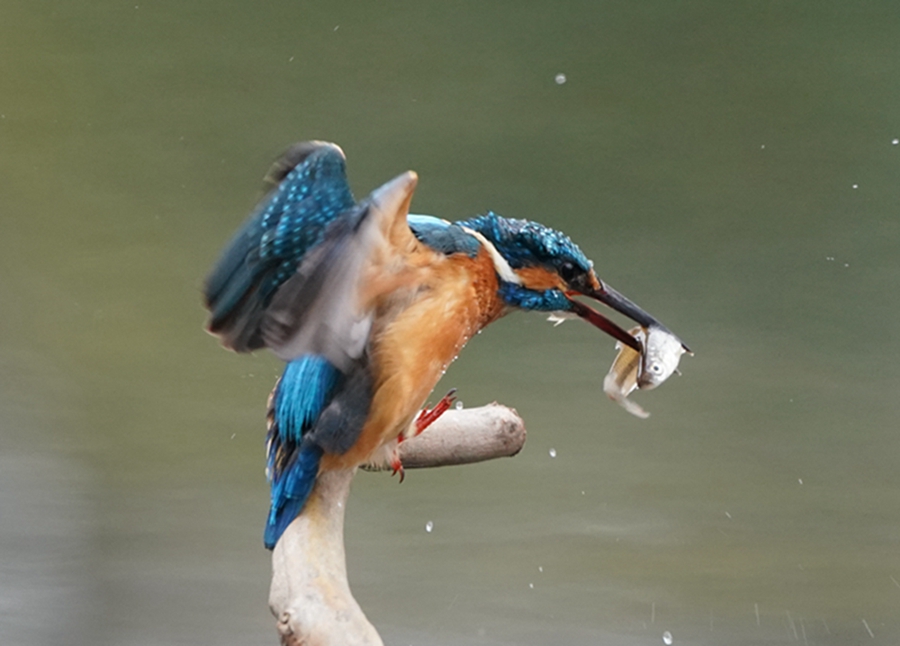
500, 265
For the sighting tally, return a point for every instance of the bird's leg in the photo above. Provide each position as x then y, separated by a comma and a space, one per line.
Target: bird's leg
397, 466
427, 417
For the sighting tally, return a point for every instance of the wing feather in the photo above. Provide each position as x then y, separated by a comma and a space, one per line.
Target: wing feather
310, 192
326, 307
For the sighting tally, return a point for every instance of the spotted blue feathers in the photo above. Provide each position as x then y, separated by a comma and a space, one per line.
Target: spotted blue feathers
284, 252
310, 192
525, 244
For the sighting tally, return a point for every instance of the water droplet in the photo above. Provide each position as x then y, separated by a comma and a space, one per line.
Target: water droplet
459, 405
856, 186
727, 514
800, 480
540, 568
552, 453
560, 79
667, 638
233, 435
763, 146
531, 585
895, 141
429, 526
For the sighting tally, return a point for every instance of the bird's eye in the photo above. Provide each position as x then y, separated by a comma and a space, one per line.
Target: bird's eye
568, 271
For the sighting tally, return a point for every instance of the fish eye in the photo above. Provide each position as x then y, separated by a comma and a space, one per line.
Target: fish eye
656, 369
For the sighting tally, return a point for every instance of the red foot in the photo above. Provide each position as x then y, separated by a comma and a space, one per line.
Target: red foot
397, 466
427, 417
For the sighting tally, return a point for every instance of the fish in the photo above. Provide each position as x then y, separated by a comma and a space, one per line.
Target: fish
632, 370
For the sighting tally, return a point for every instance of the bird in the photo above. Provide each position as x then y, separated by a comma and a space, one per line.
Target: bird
368, 304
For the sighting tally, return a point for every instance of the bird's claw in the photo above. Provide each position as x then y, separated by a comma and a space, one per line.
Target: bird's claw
427, 417
397, 467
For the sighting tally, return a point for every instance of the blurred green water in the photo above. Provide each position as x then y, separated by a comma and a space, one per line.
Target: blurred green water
704, 154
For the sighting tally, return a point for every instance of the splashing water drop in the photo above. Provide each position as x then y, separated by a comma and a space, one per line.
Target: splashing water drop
560, 79
894, 142
667, 638
429, 526
552, 453
459, 405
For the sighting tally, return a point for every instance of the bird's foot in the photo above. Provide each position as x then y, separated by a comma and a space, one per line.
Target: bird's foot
397, 467
427, 417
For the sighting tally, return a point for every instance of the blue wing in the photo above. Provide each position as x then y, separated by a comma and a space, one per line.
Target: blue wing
289, 280
311, 191
323, 398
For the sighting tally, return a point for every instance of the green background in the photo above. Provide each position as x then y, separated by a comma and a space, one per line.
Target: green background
728, 165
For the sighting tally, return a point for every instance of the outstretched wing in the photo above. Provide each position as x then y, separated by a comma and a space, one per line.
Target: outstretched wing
310, 191
326, 307
319, 322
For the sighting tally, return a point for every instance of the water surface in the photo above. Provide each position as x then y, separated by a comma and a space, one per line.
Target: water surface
731, 167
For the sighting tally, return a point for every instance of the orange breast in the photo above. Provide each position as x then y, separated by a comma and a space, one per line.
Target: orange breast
416, 336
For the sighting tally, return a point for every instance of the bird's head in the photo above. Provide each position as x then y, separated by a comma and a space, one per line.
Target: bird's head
541, 269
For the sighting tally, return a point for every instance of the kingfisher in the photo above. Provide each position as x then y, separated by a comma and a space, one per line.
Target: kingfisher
368, 304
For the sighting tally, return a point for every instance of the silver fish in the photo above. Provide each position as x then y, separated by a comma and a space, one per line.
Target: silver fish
662, 352
632, 370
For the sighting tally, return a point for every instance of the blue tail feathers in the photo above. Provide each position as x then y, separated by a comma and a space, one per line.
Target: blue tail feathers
290, 491
305, 389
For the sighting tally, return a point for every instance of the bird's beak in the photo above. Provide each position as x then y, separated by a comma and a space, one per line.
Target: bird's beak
622, 304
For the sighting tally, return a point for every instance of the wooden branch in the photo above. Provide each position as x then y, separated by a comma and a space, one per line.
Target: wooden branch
464, 436
310, 596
